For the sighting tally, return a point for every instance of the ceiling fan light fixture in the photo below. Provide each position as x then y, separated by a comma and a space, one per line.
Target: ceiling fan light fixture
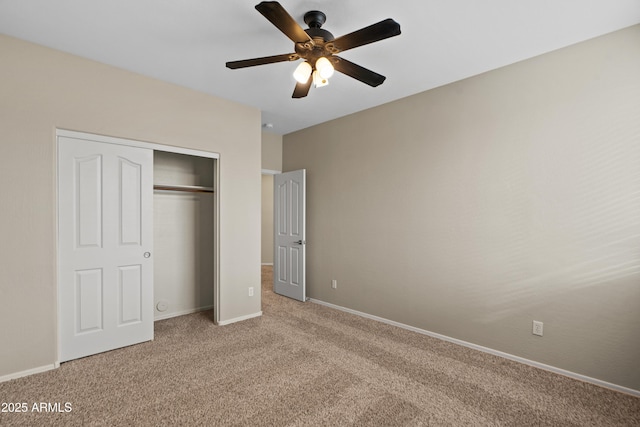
324, 67
302, 72
318, 48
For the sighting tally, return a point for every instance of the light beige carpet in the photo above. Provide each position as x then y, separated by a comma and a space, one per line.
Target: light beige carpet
304, 364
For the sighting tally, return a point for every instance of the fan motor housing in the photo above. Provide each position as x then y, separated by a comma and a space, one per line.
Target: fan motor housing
315, 19
319, 32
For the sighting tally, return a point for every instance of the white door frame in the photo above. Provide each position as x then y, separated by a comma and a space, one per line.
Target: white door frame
155, 147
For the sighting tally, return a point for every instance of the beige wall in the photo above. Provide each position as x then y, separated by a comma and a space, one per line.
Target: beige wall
271, 151
472, 209
43, 89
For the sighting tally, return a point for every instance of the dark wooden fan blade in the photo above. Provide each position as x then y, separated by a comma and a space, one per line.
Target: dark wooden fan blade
262, 61
275, 13
357, 72
302, 89
373, 33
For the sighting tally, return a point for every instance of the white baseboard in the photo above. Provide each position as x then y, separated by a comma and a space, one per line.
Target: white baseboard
182, 313
239, 319
29, 372
486, 350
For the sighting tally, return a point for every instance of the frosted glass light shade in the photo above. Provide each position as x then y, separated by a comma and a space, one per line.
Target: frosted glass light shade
324, 67
318, 80
302, 72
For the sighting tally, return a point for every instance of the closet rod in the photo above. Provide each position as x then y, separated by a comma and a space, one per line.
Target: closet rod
186, 188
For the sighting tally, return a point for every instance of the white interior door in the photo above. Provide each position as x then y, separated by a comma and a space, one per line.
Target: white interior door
289, 234
105, 237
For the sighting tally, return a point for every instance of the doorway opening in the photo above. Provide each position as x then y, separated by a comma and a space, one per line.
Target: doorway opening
183, 237
266, 253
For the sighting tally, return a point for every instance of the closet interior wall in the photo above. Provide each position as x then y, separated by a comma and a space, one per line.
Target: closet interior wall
183, 234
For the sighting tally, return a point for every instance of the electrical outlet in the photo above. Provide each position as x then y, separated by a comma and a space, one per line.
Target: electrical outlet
334, 284
537, 328
251, 291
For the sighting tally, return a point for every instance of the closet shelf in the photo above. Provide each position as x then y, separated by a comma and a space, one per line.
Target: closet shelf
185, 188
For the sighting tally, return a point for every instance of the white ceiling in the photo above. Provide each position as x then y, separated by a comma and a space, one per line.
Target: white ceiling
187, 42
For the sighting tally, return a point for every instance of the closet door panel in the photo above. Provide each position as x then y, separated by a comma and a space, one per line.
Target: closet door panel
130, 202
87, 206
130, 289
88, 307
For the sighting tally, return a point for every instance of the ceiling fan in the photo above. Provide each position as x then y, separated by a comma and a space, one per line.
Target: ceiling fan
319, 48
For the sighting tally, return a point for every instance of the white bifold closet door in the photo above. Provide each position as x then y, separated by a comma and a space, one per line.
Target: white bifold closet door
105, 226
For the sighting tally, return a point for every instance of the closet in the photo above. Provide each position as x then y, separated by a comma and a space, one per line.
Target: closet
183, 233
137, 239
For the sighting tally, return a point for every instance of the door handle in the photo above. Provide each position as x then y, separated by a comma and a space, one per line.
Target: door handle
147, 254
300, 242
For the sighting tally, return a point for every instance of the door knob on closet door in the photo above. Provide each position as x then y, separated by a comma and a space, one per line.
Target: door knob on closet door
299, 242
147, 254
